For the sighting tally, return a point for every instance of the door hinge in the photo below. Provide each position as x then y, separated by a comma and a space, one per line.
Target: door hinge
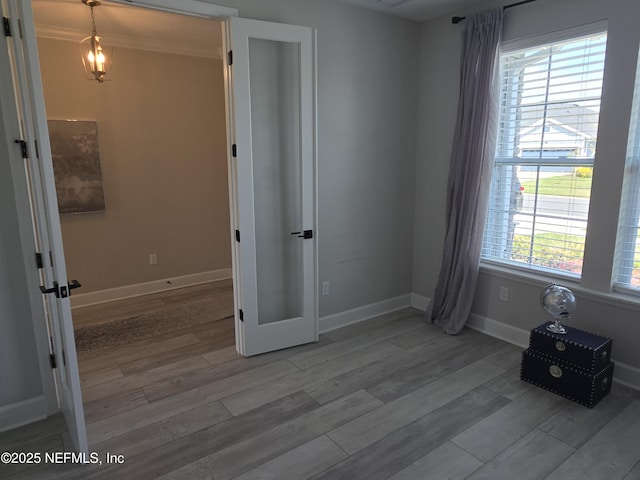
23, 148
39, 263
241, 315
52, 360
238, 236
7, 27
234, 151
230, 57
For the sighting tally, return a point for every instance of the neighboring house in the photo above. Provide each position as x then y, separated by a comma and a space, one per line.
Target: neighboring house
556, 136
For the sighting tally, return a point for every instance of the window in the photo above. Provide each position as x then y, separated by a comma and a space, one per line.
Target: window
627, 259
548, 125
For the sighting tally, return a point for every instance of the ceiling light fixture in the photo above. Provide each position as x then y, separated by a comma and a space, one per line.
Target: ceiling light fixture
96, 62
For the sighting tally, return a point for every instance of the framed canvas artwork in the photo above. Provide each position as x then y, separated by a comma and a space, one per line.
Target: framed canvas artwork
76, 166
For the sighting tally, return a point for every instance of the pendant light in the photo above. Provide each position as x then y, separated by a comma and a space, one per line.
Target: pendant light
96, 58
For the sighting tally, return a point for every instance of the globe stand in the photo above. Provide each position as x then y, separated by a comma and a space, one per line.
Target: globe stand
557, 328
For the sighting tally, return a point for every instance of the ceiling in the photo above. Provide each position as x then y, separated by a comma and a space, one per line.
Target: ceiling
126, 26
419, 10
147, 29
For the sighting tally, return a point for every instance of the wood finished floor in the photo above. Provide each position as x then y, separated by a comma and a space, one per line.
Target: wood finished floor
391, 398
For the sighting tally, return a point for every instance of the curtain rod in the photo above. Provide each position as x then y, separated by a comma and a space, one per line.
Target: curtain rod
456, 20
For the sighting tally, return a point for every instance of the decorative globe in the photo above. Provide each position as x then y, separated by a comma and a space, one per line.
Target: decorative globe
560, 303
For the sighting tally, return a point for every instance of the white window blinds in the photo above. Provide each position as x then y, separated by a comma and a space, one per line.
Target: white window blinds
627, 260
548, 125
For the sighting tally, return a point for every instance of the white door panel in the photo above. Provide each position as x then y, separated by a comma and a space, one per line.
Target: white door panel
274, 130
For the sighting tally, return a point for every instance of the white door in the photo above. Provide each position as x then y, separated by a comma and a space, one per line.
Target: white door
31, 123
272, 81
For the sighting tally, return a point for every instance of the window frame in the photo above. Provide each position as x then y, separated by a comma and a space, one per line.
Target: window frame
531, 43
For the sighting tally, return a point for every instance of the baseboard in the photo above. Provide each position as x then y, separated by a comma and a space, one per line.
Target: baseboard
22, 413
502, 331
626, 375
356, 315
420, 302
138, 289
623, 373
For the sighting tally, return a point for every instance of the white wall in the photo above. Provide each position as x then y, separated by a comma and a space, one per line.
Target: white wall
367, 110
440, 56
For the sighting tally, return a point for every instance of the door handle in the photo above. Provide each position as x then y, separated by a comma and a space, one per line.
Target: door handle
61, 291
55, 289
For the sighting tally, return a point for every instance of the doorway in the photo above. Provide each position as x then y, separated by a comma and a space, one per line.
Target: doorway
155, 262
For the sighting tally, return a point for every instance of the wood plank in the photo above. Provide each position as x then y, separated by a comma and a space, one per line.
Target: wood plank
370, 428
445, 462
415, 377
357, 329
509, 384
222, 355
193, 448
426, 334
101, 376
575, 424
229, 353
15, 439
137, 380
113, 405
370, 375
336, 349
261, 448
163, 431
403, 447
196, 378
299, 463
41, 446
531, 458
496, 433
90, 362
611, 453
278, 388
507, 356
634, 474
160, 359
152, 412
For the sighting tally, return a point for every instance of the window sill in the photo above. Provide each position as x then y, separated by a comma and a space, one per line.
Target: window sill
539, 280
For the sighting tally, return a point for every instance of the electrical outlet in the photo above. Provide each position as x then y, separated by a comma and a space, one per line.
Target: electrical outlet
325, 288
153, 259
504, 294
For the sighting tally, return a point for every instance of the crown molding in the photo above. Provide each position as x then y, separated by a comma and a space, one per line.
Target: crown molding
123, 41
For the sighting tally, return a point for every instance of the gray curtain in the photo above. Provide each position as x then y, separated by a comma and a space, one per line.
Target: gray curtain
469, 171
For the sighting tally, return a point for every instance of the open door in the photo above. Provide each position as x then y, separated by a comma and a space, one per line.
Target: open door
272, 79
33, 146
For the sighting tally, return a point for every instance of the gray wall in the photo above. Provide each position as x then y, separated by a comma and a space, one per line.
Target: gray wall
440, 55
367, 110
